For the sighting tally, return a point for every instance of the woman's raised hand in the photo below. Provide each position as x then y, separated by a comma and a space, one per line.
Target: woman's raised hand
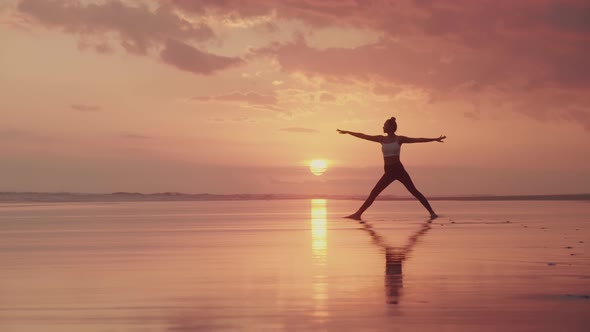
440, 139
342, 131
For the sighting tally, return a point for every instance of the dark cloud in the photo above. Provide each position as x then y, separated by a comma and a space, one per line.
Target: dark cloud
186, 57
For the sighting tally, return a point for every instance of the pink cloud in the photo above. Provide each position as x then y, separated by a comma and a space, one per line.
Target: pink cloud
139, 28
101, 47
85, 108
247, 97
136, 136
299, 130
485, 40
10, 134
327, 97
316, 12
390, 61
469, 50
240, 8
500, 50
186, 57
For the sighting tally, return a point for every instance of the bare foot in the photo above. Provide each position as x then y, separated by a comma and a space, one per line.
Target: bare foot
354, 216
433, 216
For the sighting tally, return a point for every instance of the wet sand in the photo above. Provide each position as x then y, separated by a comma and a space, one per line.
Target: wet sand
294, 265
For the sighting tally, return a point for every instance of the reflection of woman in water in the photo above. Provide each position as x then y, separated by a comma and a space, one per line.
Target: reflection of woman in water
394, 170
394, 257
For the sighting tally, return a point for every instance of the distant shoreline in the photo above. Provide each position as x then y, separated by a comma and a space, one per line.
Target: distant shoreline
56, 197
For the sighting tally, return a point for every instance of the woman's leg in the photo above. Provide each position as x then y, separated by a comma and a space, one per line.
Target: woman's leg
385, 180
407, 182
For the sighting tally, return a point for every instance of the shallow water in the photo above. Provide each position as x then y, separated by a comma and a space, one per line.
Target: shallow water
294, 265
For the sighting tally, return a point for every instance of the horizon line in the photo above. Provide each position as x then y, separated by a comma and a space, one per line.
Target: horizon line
32, 196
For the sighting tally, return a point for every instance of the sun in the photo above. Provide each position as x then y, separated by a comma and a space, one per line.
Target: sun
318, 166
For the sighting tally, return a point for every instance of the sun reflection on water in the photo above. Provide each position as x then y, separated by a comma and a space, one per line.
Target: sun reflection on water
319, 247
319, 232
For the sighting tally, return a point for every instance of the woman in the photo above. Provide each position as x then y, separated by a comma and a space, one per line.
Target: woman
394, 170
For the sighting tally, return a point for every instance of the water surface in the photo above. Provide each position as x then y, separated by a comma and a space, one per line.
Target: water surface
294, 265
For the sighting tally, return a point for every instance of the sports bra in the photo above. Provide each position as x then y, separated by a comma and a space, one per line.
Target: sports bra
390, 149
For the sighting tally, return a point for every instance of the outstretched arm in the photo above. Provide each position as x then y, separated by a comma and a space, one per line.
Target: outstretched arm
376, 138
404, 139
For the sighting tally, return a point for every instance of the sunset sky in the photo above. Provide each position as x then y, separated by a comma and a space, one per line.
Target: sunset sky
237, 96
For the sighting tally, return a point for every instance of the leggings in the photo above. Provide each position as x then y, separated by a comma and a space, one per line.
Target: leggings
394, 172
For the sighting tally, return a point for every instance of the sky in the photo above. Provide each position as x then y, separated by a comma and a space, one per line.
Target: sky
236, 96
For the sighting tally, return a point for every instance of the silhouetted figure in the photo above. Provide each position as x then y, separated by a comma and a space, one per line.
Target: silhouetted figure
394, 170
394, 257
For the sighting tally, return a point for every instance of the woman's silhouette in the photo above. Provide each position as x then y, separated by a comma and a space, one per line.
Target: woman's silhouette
394, 170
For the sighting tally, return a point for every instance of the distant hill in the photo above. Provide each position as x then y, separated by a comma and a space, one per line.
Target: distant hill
175, 196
